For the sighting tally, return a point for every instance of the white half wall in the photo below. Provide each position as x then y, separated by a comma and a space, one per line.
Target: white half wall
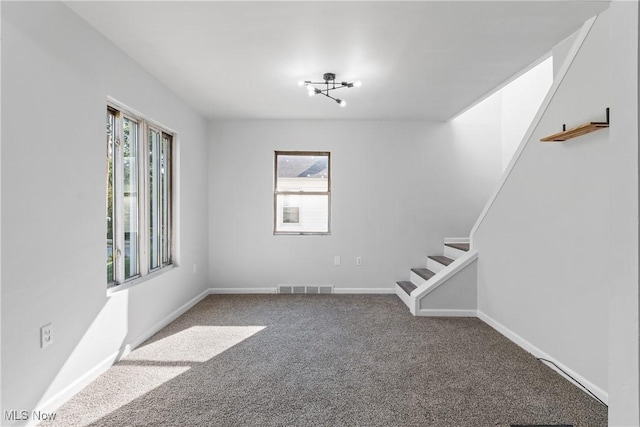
457, 293
398, 188
544, 245
57, 73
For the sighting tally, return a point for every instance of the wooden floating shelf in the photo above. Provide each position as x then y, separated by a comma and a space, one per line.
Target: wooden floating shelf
576, 131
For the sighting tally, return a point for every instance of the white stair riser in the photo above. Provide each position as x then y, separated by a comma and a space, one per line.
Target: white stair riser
452, 253
434, 266
456, 240
404, 296
417, 280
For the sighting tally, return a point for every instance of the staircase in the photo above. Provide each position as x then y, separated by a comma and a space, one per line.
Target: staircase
447, 286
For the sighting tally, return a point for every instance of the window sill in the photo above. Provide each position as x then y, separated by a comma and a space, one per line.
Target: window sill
138, 280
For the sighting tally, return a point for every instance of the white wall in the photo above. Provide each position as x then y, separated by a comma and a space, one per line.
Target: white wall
521, 100
398, 188
624, 361
56, 75
544, 245
560, 52
509, 111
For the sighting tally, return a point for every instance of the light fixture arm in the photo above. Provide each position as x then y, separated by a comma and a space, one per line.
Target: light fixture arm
329, 84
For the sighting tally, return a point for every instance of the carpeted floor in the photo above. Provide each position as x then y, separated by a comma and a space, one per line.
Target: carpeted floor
327, 360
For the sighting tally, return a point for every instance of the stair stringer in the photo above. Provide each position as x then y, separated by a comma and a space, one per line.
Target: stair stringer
451, 292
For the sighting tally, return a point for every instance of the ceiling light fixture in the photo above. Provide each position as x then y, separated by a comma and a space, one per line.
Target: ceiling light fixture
328, 84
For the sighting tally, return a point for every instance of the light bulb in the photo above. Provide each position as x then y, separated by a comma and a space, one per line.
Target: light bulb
357, 83
342, 102
312, 90
300, 83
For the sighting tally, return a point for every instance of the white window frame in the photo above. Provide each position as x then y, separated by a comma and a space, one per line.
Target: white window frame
143, 210
277, 192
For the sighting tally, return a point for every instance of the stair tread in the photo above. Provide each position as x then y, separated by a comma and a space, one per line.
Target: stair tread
441, 259
425, 273
407, 286
462, 246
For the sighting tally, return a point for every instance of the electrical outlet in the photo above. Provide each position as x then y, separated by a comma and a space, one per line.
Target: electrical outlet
359, 260
46, 335
336, 260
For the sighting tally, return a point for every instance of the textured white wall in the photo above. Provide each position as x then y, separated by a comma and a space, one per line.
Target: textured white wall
56, 75
398, 188
544, 245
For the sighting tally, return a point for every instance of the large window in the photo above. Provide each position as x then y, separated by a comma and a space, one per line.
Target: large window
302, 192
139, 196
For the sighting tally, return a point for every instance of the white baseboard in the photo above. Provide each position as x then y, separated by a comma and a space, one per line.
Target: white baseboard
61, 397
222, 291
231, 291
69, 391
437, 312
81, 382
383, 291
164, 322
538, 353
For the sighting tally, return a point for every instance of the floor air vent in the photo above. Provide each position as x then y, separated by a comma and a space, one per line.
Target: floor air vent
305, 289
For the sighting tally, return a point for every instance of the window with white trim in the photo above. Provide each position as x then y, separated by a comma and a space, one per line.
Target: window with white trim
139, 196
302, 192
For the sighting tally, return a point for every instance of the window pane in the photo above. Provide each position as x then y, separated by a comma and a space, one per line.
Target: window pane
302, 213
154, 199
130, 197
111, 126
138, 200
165, 182
302, 173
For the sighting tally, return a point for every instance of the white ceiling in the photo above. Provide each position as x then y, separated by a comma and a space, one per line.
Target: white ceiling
416, 60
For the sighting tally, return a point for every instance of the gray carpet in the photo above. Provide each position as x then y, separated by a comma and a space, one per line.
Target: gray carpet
327, 360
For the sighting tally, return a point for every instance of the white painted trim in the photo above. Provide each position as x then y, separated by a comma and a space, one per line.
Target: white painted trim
573, 52
439, 312
405, 298
443, 275
373, 291
435, 266
164, 322
141, 279
416, 279
537, 352
60, 398
231, 291
453, 253
456, 240
81, 382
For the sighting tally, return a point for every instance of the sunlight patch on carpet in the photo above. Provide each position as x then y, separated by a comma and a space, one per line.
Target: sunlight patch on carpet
196, 344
